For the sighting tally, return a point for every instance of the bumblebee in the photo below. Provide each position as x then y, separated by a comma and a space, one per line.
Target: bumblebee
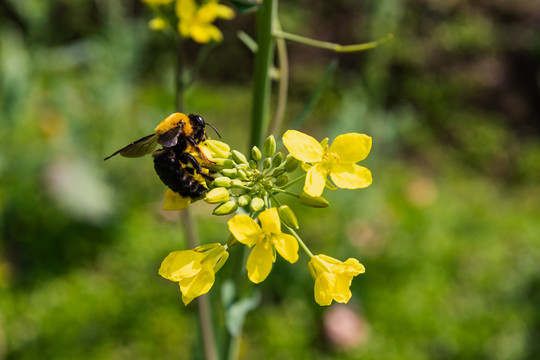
179, 135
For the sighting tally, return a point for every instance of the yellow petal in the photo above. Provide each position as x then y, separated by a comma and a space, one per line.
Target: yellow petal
341, 291
245, 229
270, 221
208, 12
353, 267
186, 300
185, 9
157, 23
287, 246
303, 147
351, 148
199, 33
181, 264
199, 284
315, 180
225, 12
324, 288
173, 201
259, 262
350, 176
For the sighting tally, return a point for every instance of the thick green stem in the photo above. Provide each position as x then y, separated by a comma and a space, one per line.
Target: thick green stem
261, 78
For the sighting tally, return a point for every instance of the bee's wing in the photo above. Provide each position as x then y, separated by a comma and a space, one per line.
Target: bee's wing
170, 137
138, 148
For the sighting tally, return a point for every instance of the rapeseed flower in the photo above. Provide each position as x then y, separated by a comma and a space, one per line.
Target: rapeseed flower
333, 278
194, 270
337, 160
195, 21
265, 240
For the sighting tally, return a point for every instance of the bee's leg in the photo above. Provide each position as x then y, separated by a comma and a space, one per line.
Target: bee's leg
194, 144
187, 158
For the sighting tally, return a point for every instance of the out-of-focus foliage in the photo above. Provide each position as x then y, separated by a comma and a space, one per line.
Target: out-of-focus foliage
448, 232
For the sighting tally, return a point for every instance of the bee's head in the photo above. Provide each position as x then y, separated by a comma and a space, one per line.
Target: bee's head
197, 124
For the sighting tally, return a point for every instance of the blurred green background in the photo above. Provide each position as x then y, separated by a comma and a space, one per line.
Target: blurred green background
449, 231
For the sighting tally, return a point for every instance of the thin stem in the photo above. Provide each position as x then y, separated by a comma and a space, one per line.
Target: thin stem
291, 183
286, 192
302, 244
283, 83
205, 315
332, 46
261, 77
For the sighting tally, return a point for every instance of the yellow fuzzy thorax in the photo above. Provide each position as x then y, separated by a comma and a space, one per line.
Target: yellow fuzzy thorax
173, 120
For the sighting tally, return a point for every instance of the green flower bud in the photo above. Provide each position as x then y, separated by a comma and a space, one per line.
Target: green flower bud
287, 216
316, 202
277, 159
256, 204
291, 164
244, 200
278, 172
228, 164
217, 195
237, 183
222, 181
238, 157
282, 180
256, 153
231, 173
255, 189
267, 163
324, 142
269, 147
226, 208
242, 175
253, 164
218, 149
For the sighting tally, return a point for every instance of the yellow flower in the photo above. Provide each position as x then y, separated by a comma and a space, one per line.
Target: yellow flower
333, 278
194, 270
157, 23
196, 21
265, 239
173, 201
338, 160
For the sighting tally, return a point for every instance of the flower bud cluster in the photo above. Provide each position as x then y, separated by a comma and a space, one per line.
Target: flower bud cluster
247, 183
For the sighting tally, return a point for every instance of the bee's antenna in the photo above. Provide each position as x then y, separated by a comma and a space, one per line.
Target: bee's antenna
214, 130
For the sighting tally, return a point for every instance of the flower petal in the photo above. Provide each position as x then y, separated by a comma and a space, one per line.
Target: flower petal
270, 221
315, 180
225, 12
324, 288
350, 176
199, 284
353, 267
180, 264
351, 148
303, 147
173, 201
342, 292
259, 262
287, 246
245, 229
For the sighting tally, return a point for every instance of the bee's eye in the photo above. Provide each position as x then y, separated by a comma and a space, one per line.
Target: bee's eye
199, 120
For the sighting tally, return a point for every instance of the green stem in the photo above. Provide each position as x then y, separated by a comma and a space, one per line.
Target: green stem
281, 46
286, 192
302, 245
261, 78
332, 46
291, 183
205, 314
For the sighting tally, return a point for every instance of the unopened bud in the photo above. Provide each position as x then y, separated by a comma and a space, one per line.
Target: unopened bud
269, 147
218, 149
226, 208
287, 216
244, 200
277, 159
231, 173
228, 164
222, 181
324, 142
291, 164
278, 172
256, 204
256, 153
217, 195
282, 180
267, 163
238, 157
242, 175
313, 201
237, 183
253, 164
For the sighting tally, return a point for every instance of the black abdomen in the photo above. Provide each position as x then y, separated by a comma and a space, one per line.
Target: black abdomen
175, 176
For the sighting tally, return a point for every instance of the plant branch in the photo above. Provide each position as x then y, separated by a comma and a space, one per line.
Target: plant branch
332, 46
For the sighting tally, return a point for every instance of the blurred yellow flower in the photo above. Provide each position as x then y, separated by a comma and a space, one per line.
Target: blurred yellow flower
195, 21
157, 23
265, 239
333, 278
194, 270
338, 160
